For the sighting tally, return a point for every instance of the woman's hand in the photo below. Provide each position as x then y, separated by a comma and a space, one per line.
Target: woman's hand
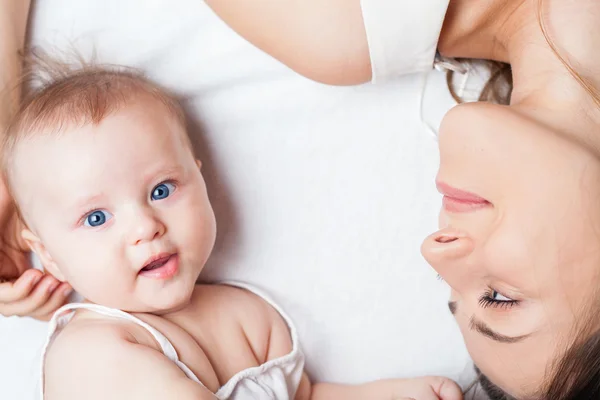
23, 291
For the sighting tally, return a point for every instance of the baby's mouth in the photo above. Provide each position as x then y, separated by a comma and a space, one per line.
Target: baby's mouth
163, 266
156, 263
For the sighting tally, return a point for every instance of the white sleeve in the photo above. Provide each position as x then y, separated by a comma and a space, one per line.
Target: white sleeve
402, 35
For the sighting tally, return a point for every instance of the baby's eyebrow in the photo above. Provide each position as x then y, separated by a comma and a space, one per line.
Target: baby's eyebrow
482, 328
85, 201
163, 170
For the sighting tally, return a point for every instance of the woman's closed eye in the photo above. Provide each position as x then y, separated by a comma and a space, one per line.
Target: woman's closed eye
162, 191
96, 218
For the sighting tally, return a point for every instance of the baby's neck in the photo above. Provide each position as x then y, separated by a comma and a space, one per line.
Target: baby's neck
158, 313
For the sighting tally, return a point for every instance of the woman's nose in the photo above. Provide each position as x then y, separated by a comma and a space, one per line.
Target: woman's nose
446, 251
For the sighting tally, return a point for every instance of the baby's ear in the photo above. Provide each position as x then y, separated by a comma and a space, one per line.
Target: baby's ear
36, 245
199, 163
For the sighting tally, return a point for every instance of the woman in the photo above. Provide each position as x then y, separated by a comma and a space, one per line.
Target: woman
519, 226
518, 241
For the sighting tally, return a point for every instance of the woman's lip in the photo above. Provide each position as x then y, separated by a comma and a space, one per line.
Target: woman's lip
457, 200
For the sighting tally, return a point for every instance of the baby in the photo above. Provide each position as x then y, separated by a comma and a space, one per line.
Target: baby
105, 179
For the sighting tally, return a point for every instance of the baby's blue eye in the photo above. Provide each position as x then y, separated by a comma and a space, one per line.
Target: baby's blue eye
162, 191
97, 218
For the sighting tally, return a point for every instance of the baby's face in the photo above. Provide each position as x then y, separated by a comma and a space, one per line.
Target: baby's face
522, 250
120, 208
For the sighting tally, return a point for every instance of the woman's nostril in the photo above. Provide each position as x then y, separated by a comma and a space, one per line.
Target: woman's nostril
446, 239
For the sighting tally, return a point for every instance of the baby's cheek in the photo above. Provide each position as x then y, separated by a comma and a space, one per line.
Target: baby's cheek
198, 223
95, 275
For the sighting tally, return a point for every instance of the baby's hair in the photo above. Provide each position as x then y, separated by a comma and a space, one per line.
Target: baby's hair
60, 95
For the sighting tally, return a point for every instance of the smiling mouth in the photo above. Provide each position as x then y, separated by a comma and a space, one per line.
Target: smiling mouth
457, 200
453, 204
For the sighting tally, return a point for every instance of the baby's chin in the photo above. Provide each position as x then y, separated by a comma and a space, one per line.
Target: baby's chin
167, 302
175, 303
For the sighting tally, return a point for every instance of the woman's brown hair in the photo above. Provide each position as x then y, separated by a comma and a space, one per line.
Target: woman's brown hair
498, 87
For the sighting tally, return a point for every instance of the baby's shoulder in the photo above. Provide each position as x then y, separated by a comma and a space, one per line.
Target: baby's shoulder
79, 349
83, 336
98, 358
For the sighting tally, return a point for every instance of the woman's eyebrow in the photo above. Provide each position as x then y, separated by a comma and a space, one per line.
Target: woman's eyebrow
485, 330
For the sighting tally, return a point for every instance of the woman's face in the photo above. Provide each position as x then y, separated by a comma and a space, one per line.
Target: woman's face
519, 239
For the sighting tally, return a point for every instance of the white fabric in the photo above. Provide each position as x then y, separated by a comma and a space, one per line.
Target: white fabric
402, 35
323, 194
277, 379
63, 316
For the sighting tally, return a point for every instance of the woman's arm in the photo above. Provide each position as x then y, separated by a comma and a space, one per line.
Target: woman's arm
13, 24
24, 294
324, 40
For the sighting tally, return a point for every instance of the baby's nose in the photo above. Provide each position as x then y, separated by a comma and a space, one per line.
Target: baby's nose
145, 228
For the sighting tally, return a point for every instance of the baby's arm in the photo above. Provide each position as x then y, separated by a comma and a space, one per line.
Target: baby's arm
279, 343
426, 388
102, 361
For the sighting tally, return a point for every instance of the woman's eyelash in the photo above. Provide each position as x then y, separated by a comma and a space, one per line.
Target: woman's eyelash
487, 300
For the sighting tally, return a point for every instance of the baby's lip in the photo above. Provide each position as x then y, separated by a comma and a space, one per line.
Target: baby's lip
157, 259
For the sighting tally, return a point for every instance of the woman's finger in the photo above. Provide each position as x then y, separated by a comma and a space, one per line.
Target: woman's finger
38, 296
57, 299
13, 291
